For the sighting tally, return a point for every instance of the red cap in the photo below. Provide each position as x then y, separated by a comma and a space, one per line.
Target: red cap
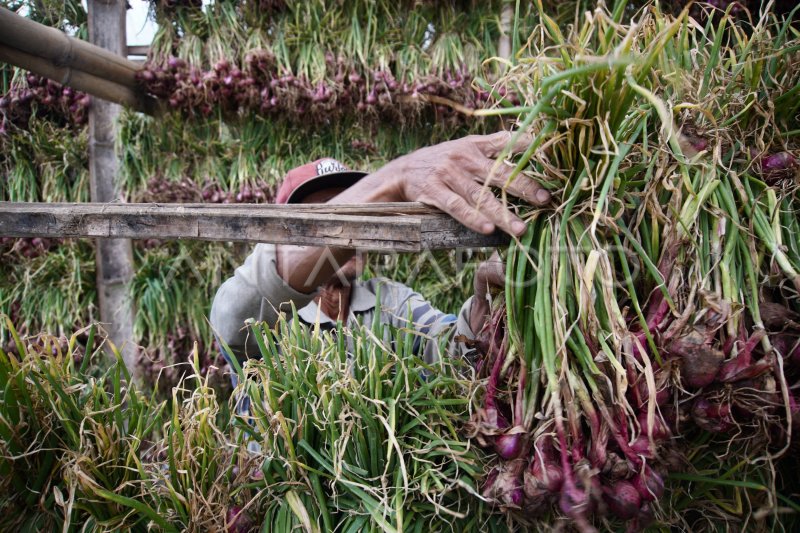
321, 174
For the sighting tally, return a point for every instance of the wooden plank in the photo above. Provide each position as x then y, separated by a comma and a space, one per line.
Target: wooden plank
378, 209
138, 50
378, 227
444, 232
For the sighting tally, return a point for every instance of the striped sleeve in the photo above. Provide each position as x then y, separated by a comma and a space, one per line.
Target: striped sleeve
404, 308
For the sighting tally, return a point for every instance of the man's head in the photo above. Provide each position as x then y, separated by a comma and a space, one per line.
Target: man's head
316, 182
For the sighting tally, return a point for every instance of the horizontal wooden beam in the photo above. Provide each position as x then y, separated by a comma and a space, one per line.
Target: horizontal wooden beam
138, 50
404, 227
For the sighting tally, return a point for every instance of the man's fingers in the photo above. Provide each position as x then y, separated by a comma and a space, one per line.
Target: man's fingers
482, 199
490, 273
494, 269
457, 207
521, 186
492, 145
495, 273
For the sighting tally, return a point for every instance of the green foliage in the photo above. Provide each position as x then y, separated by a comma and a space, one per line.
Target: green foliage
169, 279
44, 163
359, 441
365, 442
66, 15
653, 138
361, 430
71, 438
50, 292
445, 278
371, 32
255, 150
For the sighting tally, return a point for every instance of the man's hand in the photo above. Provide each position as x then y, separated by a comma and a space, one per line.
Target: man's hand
489, 277
452, 176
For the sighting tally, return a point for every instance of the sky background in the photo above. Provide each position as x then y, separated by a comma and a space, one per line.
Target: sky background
139, 28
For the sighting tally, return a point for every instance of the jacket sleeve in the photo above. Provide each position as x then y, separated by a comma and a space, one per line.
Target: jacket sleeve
404, 308
254, 291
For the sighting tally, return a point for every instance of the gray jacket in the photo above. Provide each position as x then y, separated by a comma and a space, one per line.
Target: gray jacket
257, 291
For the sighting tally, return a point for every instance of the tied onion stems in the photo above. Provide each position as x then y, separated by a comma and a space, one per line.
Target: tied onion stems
633, 315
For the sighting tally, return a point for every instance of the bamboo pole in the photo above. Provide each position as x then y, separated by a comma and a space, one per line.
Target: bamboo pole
114, 256
65, 51
81, 81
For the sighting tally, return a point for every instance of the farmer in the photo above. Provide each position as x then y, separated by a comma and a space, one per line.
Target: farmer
323, 283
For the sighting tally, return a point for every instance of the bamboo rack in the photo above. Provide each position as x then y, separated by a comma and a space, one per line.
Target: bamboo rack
86, 67
63, 50
400, 227
79, 80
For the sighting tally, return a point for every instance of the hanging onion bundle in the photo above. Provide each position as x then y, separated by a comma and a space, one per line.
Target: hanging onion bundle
260, 87
659, 300
47, 99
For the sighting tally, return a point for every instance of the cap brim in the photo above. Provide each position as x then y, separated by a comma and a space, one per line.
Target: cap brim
332, 180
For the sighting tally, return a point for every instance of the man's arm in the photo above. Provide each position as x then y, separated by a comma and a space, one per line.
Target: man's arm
451, 176
254, 291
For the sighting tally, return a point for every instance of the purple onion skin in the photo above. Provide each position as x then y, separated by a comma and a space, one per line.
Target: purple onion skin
736, 371
492, 344
712, 416
742, 366
505, 484
491, 479
238, 520
778, 317
233, 88
543, 474
616, 467
699, 143
621, 437
576, 504
509, 446
699, 362
517, 496
660, 429
642, 446
641, 390
794, 408
657, 312
645, 517
649, 484
623, 499
786, 344
778, 166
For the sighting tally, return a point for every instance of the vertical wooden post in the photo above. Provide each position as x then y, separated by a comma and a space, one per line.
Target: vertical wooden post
114, 256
